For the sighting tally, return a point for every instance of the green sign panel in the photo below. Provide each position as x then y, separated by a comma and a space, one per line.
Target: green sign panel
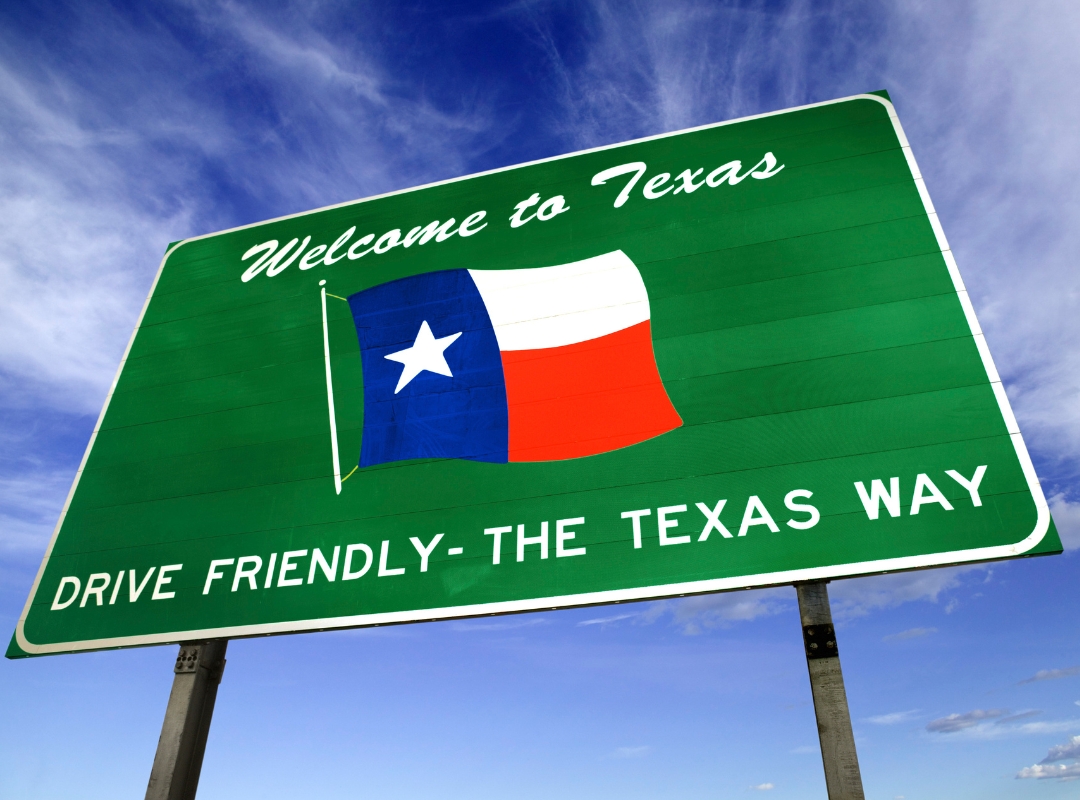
734, 356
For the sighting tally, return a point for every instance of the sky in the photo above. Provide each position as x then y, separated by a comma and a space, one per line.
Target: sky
124, 127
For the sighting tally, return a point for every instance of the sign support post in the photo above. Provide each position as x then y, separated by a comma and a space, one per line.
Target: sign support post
842, 776
178, 762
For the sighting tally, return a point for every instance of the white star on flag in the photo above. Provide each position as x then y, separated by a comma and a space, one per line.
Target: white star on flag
425, 354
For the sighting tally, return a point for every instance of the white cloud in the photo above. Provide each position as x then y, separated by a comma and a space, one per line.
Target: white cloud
1013, 718
857, 597
997, 723
1067, 519
958, 722
1043, 771
82, 237
762, 787
1040, 728
849, 598
1052, 674
1061, 752
607, 620
910, 633
695, 614
654, 67
1009, 217
31, 505
894, 718
77, 250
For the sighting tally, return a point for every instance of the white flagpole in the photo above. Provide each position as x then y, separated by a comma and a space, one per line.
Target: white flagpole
330, 392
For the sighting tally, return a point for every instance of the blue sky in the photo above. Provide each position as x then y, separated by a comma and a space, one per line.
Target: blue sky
125, 127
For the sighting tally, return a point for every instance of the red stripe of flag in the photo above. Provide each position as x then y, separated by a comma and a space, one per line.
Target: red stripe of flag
585, 398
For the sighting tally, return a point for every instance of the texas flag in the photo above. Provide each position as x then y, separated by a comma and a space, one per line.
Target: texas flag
509, 365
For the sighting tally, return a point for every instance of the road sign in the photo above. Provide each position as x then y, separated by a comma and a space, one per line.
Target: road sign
733, 356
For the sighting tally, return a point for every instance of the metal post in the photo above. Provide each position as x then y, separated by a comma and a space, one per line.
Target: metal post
842, 777
178, 762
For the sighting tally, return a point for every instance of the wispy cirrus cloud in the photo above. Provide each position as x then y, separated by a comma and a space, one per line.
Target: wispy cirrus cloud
694, 615
1067, 519
910, 633
958, 722
997, 723
127, 138
858, 597
30, 509
651, 67
1013, 718
851, 598
1009, 220
100, 172
610, 620
895, 718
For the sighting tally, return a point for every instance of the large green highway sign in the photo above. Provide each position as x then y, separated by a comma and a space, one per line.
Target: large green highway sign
734, 356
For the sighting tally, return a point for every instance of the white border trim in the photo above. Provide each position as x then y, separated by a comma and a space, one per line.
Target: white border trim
1042, 523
